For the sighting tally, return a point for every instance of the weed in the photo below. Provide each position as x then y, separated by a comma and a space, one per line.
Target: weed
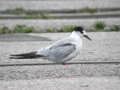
18, 28
1, 17
66, 29
4, 29
49, 30
115, 28
34, 12
44, 15
99, 25
83, 10
16, 11
30, 12
88, 10
23, 29
28, 29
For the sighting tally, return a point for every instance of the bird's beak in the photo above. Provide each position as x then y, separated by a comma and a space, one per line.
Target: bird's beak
86, 36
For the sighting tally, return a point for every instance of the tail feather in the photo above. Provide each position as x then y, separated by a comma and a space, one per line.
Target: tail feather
25, 56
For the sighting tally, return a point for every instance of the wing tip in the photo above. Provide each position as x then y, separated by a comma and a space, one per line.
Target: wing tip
15, 57
25, 56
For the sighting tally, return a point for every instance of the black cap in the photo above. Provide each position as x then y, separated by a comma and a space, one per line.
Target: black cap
79, 28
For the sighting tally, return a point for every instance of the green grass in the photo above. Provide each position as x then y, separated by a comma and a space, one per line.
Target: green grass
98, 26
19, 11
115, 28
15, 11
1, 17
32, 17
50, 30
63, 29
4, 29
83, 10
30, 14
23, 29
17, 29
88, 10
35, 17
41, 15
66, 29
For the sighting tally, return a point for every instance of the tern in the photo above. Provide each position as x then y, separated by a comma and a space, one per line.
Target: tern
61, 51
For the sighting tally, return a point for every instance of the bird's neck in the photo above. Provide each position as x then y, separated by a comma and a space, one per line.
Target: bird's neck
76, 39
75, 35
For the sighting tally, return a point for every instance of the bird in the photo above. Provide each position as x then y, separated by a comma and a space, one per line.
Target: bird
61, 51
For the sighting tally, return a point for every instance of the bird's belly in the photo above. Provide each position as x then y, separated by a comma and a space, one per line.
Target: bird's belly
61, 60
71, 56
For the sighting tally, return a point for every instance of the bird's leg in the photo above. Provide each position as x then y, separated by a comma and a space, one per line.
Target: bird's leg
63, 63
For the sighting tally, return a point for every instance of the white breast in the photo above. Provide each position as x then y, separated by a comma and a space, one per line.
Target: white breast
75, 38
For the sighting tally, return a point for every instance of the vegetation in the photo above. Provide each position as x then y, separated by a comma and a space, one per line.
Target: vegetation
23, 29
29, 14
34, 14
37, 16
19, 11
17, 29
98, 26
66, 29
115, 28
88, 10
4, 29
63, 29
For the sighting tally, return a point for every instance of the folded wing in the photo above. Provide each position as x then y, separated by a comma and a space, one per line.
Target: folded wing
29, 55
61, 51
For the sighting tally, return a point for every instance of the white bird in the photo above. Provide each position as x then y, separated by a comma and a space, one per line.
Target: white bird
60, 51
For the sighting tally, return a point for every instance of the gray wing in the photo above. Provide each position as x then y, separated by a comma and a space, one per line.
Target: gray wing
61, 51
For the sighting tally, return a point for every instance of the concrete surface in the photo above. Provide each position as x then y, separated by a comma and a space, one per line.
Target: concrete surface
21, 37
103, 47
82, 83
58, 5
68, 16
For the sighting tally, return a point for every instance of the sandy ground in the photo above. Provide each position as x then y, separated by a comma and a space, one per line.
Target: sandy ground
103, 47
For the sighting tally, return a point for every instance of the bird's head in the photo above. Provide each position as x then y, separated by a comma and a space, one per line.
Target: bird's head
81, 30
